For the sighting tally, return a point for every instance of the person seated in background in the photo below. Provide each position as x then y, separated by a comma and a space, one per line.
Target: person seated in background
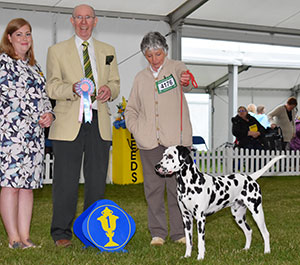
284, 116
295, 142
261, 117
251, 108
248, 131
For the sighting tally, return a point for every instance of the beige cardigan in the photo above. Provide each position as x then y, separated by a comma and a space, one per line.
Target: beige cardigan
153, 118
279, 117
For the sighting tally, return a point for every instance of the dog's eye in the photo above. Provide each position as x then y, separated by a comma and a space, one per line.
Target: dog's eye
170, 157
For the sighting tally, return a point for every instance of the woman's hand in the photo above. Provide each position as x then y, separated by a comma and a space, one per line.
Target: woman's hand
46, 120
185, 79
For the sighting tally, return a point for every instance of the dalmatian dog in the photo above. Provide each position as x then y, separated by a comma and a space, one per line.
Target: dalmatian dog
200, 195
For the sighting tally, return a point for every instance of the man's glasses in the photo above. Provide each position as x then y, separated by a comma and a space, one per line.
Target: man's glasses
242, 110
80, 18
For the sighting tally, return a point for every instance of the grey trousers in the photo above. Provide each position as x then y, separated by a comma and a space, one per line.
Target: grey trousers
67, 165
154, 188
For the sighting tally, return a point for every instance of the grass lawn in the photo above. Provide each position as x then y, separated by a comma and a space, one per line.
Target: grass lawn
224, 239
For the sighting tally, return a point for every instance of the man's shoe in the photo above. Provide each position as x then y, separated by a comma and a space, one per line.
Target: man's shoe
181, 240
63, 243
157, 241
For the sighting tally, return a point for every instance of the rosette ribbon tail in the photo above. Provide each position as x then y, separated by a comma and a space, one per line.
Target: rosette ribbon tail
87, 106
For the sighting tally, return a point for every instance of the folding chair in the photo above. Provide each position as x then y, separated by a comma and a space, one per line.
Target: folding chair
199, 140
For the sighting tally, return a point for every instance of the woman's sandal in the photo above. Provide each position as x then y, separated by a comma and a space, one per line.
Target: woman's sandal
30, 244
16, 245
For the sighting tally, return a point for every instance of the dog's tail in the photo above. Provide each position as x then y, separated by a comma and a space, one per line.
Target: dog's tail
260, 172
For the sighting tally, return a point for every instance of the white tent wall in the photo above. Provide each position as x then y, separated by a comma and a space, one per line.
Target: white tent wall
124, 34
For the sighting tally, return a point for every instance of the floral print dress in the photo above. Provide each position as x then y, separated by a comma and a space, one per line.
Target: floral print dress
22, 102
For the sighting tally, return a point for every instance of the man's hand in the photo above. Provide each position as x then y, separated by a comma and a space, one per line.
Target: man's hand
46, 120
104, 94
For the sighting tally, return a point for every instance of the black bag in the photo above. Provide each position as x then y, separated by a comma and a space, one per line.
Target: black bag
274, 139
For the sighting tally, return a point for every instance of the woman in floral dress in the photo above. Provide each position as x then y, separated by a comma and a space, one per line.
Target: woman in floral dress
25, 111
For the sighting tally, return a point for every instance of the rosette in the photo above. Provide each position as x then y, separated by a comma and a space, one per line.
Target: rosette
85, 89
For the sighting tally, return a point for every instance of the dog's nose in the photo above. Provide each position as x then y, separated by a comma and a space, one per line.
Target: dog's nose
157, 167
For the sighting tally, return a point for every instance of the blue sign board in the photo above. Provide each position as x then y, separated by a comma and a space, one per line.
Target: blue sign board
104, 225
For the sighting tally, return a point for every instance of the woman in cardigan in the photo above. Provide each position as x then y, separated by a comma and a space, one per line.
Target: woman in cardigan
153, 116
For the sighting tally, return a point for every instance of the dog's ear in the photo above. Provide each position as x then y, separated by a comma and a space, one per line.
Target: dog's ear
183, 151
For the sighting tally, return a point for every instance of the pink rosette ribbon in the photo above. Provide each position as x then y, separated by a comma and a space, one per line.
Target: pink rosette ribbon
85, 89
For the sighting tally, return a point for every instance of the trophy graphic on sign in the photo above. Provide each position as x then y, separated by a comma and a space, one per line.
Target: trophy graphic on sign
111, 235
109, 222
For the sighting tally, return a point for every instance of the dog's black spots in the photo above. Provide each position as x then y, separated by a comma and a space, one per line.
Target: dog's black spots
250, 187
181, 185
225, 204
256, 187
212, 198
247, 226
186, 212
256, 203
221, 200
217, 186
236, 182
244, 193
203, 237
226, 188
194, 179
208, 214
221, 193
245, 185
189, 190
249, 178
228, 183
201, 179
208, 190
183, 171
232, 176
187, 225
221, 183
240, 221
195, 210
198, 190
200, 230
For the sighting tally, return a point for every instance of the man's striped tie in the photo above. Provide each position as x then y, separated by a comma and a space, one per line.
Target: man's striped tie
87, 66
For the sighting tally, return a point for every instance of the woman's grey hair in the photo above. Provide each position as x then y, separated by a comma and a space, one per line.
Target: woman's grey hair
154, 41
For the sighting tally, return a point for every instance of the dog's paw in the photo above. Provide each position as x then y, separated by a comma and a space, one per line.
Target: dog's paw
200, 256
187, 256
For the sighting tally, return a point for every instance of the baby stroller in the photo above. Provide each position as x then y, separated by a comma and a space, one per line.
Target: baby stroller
273, 139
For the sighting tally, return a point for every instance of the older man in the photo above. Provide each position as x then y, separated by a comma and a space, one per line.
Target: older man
68, 62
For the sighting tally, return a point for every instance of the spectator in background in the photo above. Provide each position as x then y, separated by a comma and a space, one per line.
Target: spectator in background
248, 131
252, 110
261, 117
295, 142
284, 116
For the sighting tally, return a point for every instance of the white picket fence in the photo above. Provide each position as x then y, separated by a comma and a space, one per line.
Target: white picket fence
228, 160
223, 161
